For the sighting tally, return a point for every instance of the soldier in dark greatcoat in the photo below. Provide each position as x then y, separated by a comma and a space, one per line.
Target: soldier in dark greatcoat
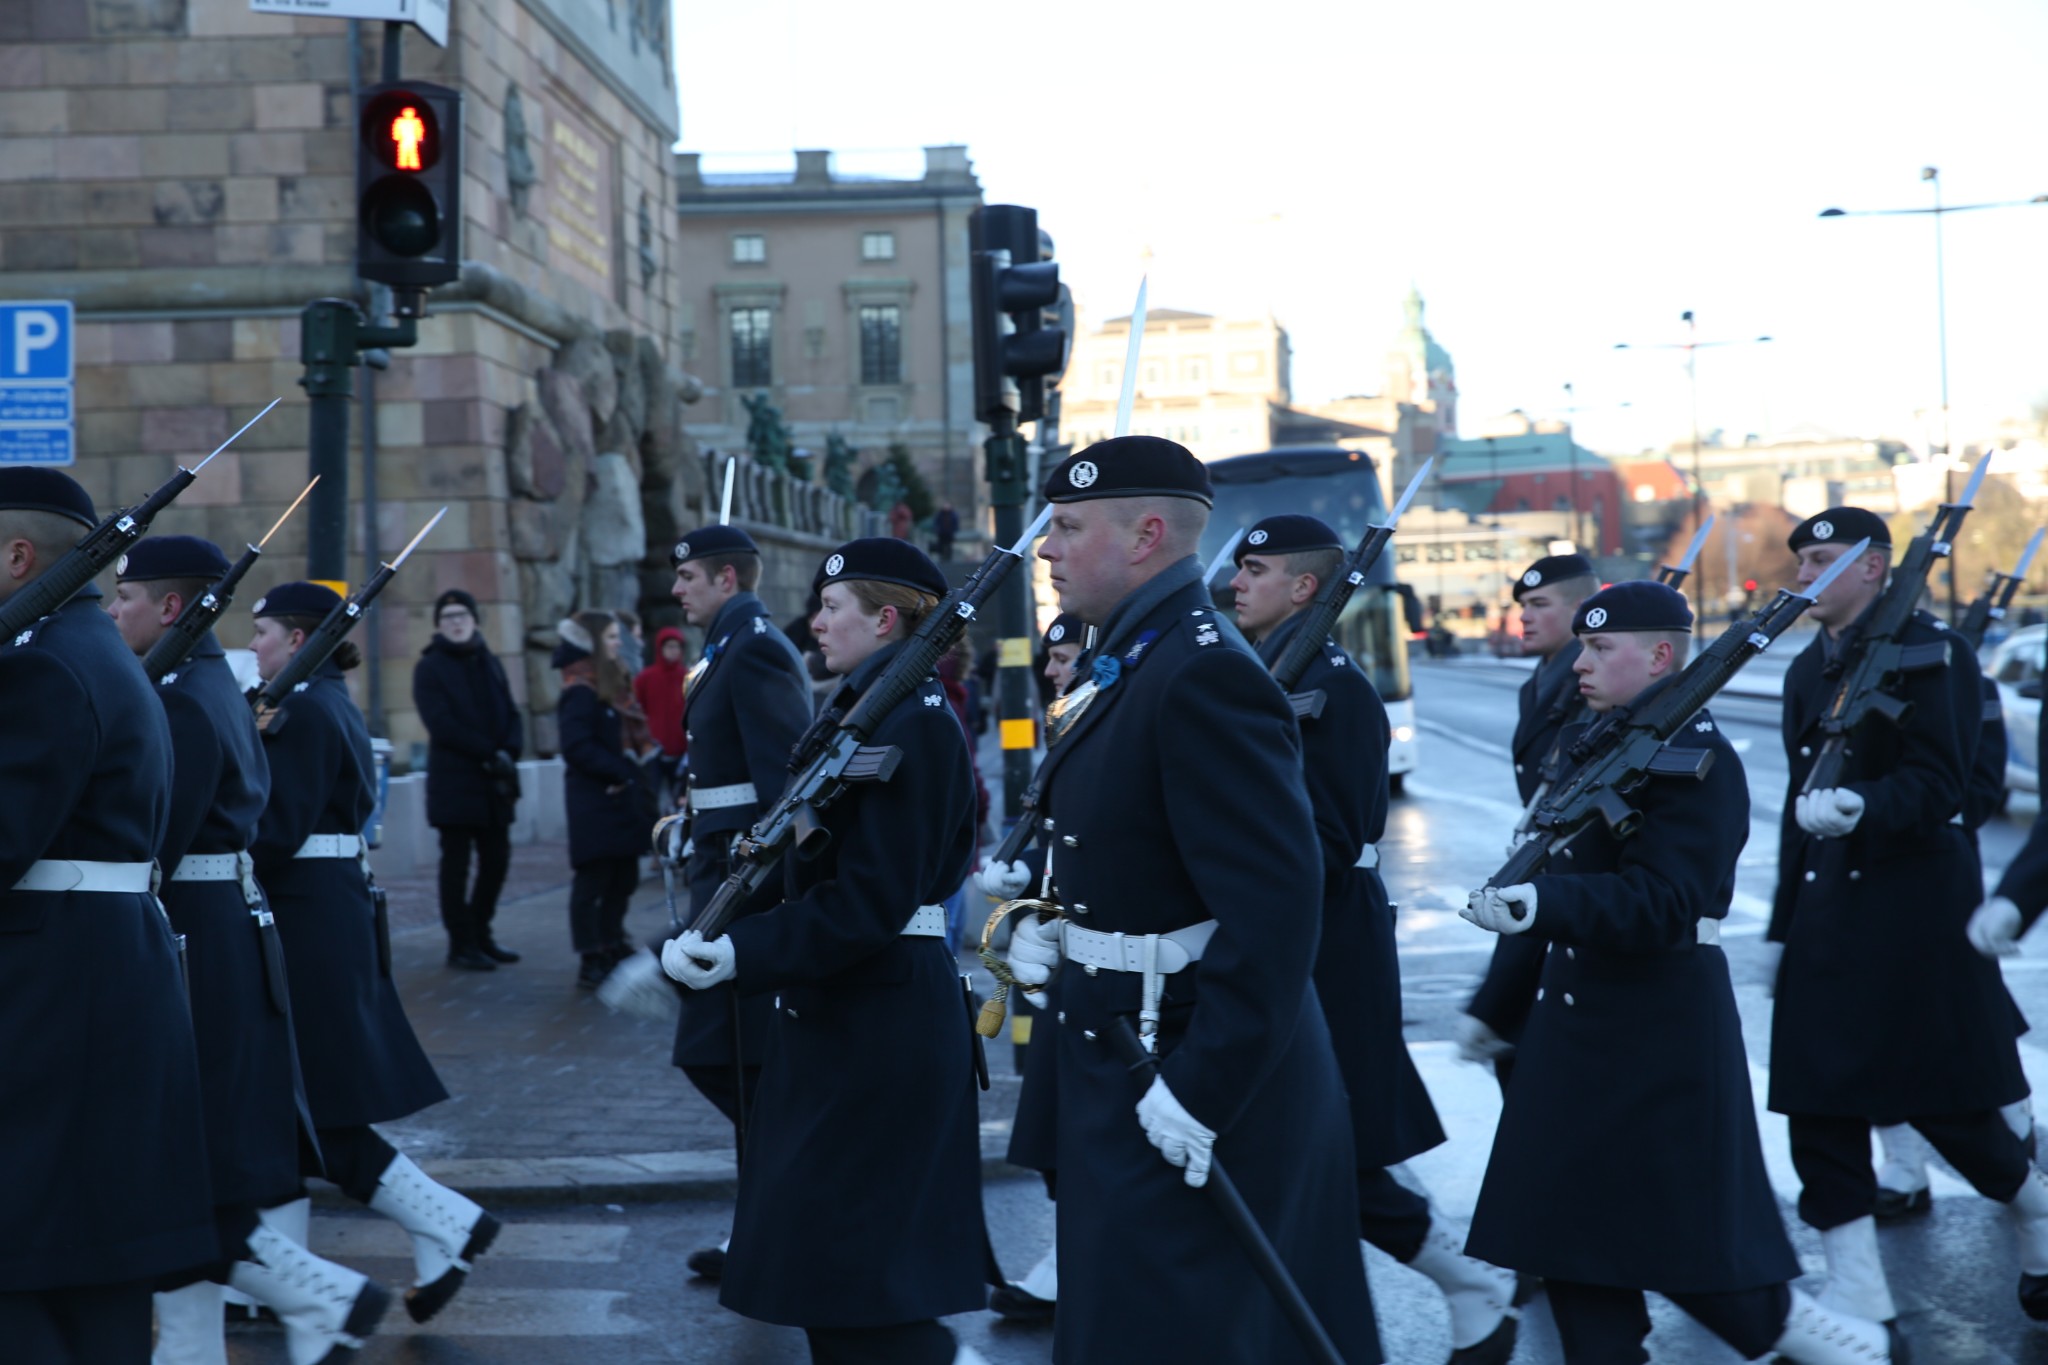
748, 702
1548, 593
361, 1063
2023, 891
1187, 864
100, 1105
865, 1131
1282, 564
1883, 1011
1635, 1038
256, 1119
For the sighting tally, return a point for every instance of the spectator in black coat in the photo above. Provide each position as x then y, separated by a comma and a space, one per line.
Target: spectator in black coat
606, 793
473, 734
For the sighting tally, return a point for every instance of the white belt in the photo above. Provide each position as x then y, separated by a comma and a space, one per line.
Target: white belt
331, 846
1710, 933
1369, 856
1126, 952
66, 874
718, 798
928, 922
208, 867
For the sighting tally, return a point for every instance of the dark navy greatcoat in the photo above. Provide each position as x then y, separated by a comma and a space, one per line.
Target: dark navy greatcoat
100, 1129
603, 822
1627, 1154
748, 705
2025, 882
1884, 1010
248, 1067
466, 704
1176, 798
357, 1053
1548, 701
1358, 968
865, 1140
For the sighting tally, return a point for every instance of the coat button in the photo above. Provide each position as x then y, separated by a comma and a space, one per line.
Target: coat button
1855, 875
790, 1013
1811, 875
1092, 969
1568, 998
1070, 841
1806, 751
1078, 908
1518, 767
1061, 1016
1572, 955
1048, 826
1539, 992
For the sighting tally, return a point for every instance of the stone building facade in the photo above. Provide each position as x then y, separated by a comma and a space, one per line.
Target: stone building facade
182, 171
1213, 384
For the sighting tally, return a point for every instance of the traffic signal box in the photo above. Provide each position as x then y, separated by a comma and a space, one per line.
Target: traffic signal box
409, 185
1015, 351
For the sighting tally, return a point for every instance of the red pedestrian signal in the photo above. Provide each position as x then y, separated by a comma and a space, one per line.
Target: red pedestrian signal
408, 132
409, 185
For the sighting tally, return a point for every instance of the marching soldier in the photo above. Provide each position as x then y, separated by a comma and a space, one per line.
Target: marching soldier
1549, 593
101, 1132
361, 1063
865, 1131
749, 703
2023, 891
1634, 1035
241, 1015
1282, 564
1187, 864
1063, 640
1883, 1011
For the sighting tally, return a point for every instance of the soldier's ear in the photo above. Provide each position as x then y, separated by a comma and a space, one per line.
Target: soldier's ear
19, 557
170, 608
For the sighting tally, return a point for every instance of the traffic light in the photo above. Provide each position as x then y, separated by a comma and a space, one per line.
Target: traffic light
409, 185
1015, 351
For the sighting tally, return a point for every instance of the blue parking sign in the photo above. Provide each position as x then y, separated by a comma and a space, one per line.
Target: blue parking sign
35, 342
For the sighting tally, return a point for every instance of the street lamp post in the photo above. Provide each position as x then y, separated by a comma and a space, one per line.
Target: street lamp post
1571, 410
1692, 346
1931, 175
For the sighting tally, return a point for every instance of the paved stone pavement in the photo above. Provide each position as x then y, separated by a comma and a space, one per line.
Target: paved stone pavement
552, 1096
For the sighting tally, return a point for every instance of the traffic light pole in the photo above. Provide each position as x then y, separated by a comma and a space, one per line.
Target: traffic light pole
332, 335
1007, 465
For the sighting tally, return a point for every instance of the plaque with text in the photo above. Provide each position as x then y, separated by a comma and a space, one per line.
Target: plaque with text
579, 198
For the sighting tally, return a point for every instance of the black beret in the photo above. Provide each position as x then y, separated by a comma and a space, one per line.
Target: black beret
25, 488
575, 644
1130, 467
297, 599
1640, 604
1843, 525
171, 557
1289, 533
1552, 569
712, 540
881, 559
1066, 629
456, 597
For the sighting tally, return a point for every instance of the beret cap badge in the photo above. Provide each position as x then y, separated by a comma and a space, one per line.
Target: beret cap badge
1083, 474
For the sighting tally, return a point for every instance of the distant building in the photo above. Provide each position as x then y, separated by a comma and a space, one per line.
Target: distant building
1213, 384
1524, 465
845, 299
1462, 565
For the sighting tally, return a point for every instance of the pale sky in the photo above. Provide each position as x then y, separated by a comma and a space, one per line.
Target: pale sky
1555, 177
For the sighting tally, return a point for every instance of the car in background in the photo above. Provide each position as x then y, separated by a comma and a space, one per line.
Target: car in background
2014, 663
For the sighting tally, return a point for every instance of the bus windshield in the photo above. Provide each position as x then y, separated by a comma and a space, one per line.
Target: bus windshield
1342, 488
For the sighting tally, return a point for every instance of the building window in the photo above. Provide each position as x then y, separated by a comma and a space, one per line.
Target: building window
1481, 551
878, 246
752, 332
1442, 553
1404, 554
1150, 374
749, 248
1107, 376
1194, 371
881, 343
1247, 363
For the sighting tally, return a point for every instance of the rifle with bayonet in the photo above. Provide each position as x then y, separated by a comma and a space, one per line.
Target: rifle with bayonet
204, 611
328, 635
1627, 749
1877, 655
1319, 618
835, 754
1997, 596
102, 545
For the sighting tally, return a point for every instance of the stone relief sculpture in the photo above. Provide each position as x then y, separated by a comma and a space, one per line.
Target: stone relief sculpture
520, 174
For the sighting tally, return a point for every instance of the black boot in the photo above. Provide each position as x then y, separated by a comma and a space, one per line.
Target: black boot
596, 967
496, 952
470, 960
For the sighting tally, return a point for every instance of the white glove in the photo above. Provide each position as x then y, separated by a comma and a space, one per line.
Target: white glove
1774, 955
1828, 813
1495, 908
1034, 955
1002, 881
697, 964
1174, 1131
1995, 928
1479, 1043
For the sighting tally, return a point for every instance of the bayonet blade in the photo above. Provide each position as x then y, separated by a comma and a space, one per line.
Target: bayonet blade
1129, 397
725, 501
1414, 486
1032, 532
1969, 498
2019, 570
1222, 556
1699, 541
1834, 571
287, 514
237, 436
414, 542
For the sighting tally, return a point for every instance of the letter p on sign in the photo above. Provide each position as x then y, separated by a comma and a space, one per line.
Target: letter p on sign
35, 329
35, 341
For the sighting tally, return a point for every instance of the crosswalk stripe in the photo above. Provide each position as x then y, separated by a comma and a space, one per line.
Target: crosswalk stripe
345, 1239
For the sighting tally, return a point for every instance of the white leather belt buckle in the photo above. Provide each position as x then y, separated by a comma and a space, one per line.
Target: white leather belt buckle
330, 846
719, 798
69, 874
1126, 952
1369, 856
208, 867
928, 922
1710, 933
